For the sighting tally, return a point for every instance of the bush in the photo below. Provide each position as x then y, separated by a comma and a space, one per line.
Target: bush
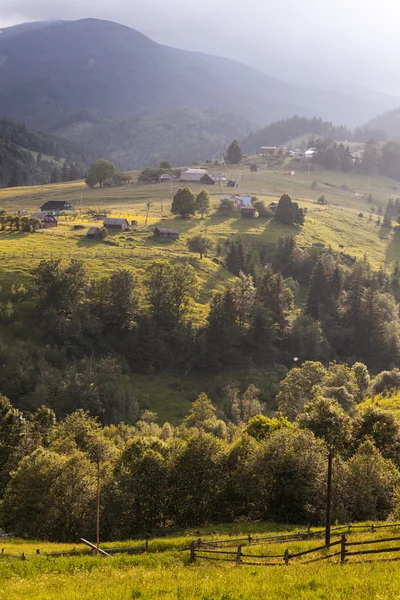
386, 381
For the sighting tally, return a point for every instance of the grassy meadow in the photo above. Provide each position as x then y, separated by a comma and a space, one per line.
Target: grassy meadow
167, 573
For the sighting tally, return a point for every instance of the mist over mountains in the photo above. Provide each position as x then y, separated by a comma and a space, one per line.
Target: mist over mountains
50, 69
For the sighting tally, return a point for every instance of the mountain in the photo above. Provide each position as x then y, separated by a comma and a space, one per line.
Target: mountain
389, 122
50, 70
180, 135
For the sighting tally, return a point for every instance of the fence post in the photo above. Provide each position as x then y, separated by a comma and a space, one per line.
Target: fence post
286, 557
309, 530
343, 549
38, 551
192, 552
199, 542
372, 528
238, 554
146, 546
249, 539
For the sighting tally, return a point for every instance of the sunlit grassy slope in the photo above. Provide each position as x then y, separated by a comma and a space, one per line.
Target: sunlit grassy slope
335, 225
166, 572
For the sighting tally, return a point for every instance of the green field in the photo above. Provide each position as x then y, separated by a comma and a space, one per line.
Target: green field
335, 224
167, 573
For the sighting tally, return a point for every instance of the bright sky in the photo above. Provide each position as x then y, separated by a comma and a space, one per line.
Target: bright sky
354, 42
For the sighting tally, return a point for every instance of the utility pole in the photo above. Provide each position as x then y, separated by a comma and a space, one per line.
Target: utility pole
98, 509
329, 499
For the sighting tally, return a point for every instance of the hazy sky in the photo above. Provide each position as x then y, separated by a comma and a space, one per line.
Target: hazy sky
353, 42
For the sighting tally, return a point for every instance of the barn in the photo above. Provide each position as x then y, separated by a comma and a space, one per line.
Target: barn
207, 180
166, 233
116, 224
55, 207
193, 175
94, 233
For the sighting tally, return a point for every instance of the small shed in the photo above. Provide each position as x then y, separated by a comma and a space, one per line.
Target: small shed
166, 233
247, 212
254, 168
165, 178
273, 206
94, 233
47, 221
231, 183
134, 223
116, 224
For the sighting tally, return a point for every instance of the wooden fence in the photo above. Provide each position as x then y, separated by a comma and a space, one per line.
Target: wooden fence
340, 549
278, 539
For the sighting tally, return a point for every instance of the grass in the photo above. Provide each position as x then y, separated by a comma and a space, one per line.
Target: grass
166, 573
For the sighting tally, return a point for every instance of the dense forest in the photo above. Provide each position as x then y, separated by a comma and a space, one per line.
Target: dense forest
18, 165
69, 399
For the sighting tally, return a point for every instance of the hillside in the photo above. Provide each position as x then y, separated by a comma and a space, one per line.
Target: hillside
29, 157
50, 71
288, 130
181, 136
389, 122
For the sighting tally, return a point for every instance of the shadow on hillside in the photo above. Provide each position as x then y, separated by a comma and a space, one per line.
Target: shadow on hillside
392, 253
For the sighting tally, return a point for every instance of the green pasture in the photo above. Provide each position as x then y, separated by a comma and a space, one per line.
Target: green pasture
167, 573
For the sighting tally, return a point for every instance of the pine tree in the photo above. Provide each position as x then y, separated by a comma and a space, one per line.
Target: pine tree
234, 153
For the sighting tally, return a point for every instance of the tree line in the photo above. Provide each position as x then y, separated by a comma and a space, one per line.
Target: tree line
210, 468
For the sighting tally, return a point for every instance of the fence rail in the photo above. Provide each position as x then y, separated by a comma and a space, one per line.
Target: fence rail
198, 549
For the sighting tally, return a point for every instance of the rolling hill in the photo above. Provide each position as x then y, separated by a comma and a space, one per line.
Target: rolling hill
50, 70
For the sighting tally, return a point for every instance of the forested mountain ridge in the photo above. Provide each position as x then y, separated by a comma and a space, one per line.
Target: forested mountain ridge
389, 122
180, 135
284, 130
29, 157
119, 72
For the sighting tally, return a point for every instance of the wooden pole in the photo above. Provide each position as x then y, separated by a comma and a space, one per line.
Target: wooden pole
238, 554
192, 551
286, 557
343, 549
328, 499
98, 509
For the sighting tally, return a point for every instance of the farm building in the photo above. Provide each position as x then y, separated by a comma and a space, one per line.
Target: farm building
247, 212
207, 180
166, 233
55, 207
254, 168
267, 150
116, 224
165, 178
193, 175
46, 220
94, 233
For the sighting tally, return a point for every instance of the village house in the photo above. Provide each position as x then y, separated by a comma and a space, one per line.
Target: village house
114, 224
242, 203
55, 207
254, 168
166, 233
47, 221
267, 150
